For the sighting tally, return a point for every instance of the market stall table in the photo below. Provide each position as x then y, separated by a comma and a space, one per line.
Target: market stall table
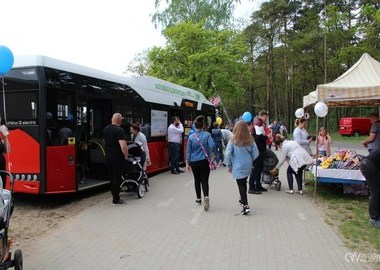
341, 176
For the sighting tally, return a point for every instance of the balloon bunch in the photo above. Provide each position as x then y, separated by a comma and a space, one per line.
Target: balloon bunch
320, 110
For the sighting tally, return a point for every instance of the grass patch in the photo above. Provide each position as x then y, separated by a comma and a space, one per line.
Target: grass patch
335, 136
348, 215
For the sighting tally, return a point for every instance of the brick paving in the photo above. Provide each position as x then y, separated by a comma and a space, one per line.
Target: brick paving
167, 230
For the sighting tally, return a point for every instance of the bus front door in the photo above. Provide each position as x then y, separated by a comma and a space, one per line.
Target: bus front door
99, 116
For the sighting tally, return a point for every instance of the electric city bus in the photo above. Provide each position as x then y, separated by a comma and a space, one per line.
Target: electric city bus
46, 98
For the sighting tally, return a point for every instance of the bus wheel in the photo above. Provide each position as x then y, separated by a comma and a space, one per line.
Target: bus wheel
140, 191
18, 260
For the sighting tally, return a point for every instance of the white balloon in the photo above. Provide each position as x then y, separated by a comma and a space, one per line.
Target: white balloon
299, 113
321, 109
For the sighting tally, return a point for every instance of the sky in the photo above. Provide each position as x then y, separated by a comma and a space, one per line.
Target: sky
105, 35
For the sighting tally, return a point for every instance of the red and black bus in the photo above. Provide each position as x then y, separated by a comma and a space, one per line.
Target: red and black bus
43, 96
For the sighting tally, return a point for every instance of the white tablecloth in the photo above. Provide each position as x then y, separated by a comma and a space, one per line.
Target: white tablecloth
338, 174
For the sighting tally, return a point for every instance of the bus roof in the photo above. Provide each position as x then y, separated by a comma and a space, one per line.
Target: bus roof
151, 89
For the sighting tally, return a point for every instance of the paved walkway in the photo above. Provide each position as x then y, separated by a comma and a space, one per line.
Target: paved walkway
167, 230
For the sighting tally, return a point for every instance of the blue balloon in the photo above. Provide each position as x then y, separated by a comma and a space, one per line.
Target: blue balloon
6, 60
247, 117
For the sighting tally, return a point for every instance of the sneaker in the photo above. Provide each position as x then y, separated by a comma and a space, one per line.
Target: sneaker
289, 191
198, 201
224, 164
207, 203
262, 189
119, 202
240, 202
300, 192
245, 210
254, 191
374, 222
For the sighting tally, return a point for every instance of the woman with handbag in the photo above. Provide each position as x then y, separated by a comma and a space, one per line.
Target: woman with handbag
199, 147
240, 153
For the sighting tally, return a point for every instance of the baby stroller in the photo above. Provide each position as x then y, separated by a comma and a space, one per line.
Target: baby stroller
135, 178
6, 209
270, 161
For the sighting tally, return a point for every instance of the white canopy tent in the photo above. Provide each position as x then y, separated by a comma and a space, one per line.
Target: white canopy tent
358, 86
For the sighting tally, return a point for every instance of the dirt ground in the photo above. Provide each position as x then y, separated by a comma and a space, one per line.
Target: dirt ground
33, 215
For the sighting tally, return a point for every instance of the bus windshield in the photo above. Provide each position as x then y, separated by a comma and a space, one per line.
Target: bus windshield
21, 90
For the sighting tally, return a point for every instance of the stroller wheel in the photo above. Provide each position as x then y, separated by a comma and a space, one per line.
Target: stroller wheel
146, 184
140, 191
278, 185
18, 260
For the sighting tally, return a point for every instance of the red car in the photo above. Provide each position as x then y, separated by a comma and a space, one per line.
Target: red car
349, 126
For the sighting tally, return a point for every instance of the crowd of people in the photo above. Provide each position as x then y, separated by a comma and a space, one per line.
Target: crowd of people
242, 152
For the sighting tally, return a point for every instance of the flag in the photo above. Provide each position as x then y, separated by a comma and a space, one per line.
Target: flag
216, 100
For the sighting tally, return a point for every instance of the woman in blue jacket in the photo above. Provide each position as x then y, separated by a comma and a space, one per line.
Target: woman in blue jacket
199, 147
240, 153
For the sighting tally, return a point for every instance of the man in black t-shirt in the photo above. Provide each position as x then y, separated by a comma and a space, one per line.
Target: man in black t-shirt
258, 133
370, 168
116, 153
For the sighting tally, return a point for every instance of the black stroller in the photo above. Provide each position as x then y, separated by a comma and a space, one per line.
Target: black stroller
270, 161
6, 209
135, 178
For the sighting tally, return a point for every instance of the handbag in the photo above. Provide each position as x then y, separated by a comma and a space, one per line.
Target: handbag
211, 163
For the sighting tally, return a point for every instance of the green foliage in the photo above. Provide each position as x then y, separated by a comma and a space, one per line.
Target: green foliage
287, 50
213, 13
211, 61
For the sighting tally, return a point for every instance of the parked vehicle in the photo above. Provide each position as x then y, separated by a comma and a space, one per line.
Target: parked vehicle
43, 95
354, 126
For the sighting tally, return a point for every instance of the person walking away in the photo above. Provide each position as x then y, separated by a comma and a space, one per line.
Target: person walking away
297, 158
258, 132
175, 131
370, 168
301, 136
217, 136
4, 149
116, 153
373, 140
200, 145
139, 138
324, 141
241, 151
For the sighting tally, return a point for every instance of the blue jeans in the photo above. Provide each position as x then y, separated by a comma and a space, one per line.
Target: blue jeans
219, 152
174, 152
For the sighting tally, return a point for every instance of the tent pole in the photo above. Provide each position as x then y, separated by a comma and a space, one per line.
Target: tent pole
316, 160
